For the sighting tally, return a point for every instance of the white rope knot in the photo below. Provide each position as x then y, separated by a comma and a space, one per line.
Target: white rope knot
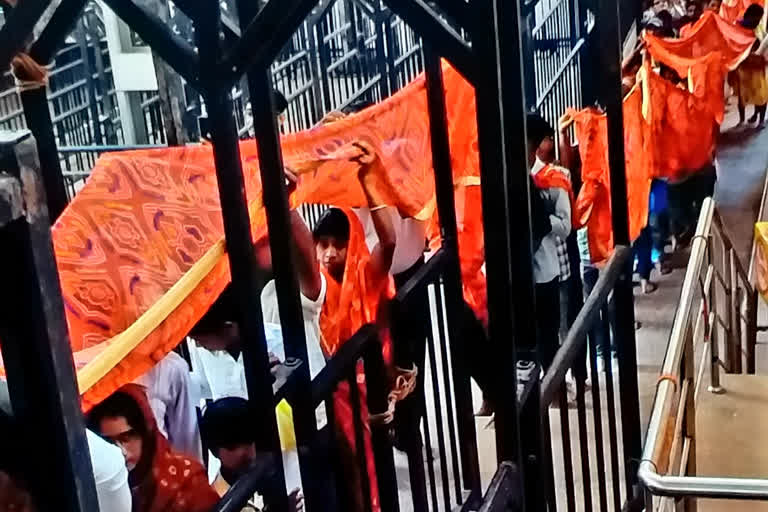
405, 383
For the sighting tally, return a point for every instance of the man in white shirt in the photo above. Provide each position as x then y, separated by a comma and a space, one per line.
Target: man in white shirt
170, 392
546, 263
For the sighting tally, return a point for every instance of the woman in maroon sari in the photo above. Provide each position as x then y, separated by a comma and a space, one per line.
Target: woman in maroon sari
161, 480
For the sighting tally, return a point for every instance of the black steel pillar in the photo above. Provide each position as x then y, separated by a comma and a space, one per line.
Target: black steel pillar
36, 347
283, 252
501, 112
500, 97
444, 192
36, 110
610, 44
237, 225
38, 117
82, 40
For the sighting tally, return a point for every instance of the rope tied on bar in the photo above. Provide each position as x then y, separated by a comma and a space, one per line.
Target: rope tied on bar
405, 383
669, 377
28, 73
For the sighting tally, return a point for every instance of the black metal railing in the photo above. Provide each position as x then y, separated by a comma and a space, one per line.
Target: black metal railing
586, 462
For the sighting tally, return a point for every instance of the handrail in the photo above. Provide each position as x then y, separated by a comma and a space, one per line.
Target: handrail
718, 222
574, 342
667, 387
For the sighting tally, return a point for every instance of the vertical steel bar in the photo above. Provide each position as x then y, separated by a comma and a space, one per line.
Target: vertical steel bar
581, 414
376, 382
751, 330
613, 435
359, 447
283, 253
610, 44
36, 347
38, 117
714, 339
237, 228
729, 319
735, 312
597, 416
441, 159
565, 434
446, 370
503, 164
689, 425
433, 370
90, 91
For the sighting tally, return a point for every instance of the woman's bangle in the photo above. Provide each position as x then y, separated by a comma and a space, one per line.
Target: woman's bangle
380, 207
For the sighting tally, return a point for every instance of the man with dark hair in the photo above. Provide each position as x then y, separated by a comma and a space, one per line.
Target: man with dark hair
236, 438
551, 220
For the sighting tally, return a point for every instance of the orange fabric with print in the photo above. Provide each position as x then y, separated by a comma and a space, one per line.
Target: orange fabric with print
348, 306
145, 218
710, 34
593, 206
681, 130
733, 10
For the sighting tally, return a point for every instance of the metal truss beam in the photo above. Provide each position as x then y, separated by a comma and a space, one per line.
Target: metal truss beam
170, 47
265, 35
18, 28
445, 40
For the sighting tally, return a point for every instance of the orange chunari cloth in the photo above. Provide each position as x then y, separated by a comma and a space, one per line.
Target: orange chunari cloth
146, 230
706, 75
709, 34
680, 128
593, 206
733, 10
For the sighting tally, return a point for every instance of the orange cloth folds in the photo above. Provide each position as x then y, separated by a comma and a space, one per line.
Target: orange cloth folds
593, 206
710, 34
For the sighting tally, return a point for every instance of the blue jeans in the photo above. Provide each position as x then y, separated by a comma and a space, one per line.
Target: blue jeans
602, 337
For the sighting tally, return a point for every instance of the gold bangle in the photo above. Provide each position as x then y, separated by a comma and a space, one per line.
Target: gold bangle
380, 207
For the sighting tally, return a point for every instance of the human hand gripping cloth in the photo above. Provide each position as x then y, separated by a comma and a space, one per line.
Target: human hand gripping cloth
140, 250
593, 205
710, 34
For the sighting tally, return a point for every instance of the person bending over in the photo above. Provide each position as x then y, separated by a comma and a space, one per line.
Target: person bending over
231, 432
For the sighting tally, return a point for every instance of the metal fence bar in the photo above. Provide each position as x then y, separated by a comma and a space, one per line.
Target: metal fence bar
237, 229
36, 347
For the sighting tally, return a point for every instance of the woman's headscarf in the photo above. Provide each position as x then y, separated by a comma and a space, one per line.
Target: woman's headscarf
355, 301
163, 480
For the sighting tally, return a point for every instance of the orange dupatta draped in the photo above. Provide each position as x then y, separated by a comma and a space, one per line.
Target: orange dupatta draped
553, 176
593, 206
348, 306
710, 34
